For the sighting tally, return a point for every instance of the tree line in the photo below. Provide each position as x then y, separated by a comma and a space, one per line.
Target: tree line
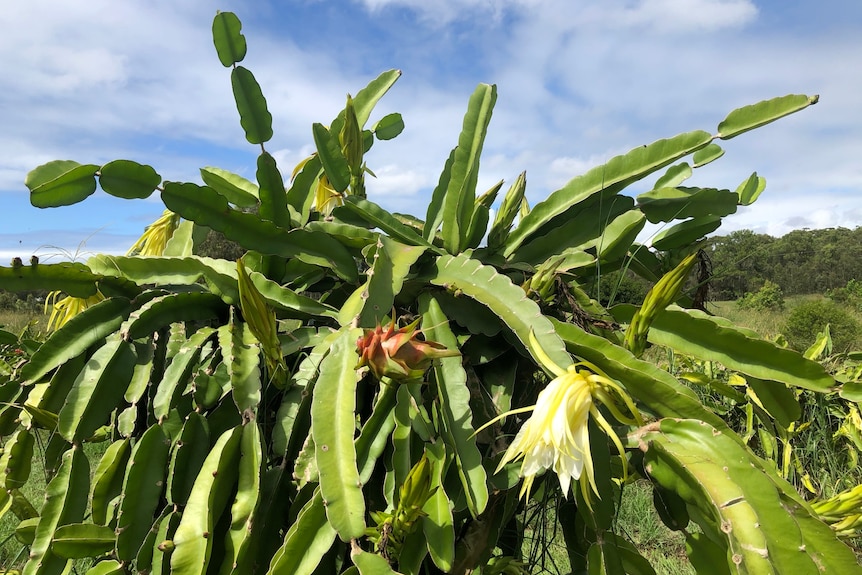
800, 262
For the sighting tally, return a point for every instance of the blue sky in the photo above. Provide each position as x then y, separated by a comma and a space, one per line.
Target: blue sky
579, 81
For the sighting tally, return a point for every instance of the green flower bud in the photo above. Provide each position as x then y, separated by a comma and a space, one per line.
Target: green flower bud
261, 321
661, 295
509, 209
351, 138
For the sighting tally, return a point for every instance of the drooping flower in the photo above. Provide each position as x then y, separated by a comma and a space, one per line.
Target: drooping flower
65, 308
556, 435
326, 198
155, 237
398, 353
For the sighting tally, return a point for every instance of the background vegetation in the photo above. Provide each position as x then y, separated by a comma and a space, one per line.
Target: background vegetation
800, 262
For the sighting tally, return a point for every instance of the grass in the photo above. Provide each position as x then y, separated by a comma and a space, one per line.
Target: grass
641, 525
769, 324
30, 323
637, 521
825, 450
15, 321
13, 553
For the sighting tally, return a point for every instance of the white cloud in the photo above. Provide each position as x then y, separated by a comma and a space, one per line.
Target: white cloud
684, 16
564, 168
85, 71
441, 12
574, 89
97, 81
662, 15
777, 215
396, 180
579, 82
101, 71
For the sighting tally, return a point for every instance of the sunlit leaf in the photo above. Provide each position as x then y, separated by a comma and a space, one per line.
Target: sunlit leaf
236, 189
668, 204
333, 160
129, 180
461, 191
389, 126
674, 176
696, 333
759, 517
205, 207
749, 190
607, 180
61, 183
253, 113
684, 233
706, 155
229, 41
756, 115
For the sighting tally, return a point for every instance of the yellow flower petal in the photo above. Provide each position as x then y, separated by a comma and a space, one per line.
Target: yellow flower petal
155, 237
64, 309
556, 435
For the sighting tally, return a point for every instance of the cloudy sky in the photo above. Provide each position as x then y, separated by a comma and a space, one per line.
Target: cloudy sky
579, 81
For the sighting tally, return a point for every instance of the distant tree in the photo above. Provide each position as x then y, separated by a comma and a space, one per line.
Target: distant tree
835, 259
849, 295
800, 262
620, 287
28, 301
217, 246
740, 263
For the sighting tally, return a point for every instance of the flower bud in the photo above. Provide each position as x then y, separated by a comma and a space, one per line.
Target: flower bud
661, 295
260, 319
416, 489
509, 209
398, 354
351, 138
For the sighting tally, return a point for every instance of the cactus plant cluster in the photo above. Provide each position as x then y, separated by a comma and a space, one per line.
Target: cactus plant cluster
355, 394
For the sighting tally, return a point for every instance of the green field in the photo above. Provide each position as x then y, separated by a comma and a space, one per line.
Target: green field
769, 324
15, 321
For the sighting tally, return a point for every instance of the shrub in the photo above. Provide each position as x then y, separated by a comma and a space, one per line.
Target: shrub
840, 295
768, 297
22, 302
810, 318
850, 295
620, 287
855, 288
216, 245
